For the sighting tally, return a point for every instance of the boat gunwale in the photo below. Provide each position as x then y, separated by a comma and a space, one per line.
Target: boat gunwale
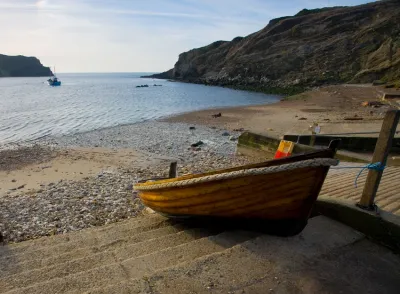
328, 153
223, 176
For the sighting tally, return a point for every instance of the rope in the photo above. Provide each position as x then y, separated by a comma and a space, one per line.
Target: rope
372, 166
316, 162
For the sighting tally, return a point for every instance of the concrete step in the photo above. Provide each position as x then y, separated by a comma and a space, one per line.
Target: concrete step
88, 239
136, 267
90, 261
260, 265
20, 264
82, 235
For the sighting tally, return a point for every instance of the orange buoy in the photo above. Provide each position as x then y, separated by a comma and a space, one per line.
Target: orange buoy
285, 149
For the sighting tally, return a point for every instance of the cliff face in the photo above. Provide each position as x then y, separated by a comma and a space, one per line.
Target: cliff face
21, 66
322, 46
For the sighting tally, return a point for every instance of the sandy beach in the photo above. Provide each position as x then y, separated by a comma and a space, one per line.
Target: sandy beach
337, 109
62, 184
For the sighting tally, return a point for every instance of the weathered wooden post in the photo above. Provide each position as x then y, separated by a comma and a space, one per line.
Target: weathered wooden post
173, 173
312, 139
381, 153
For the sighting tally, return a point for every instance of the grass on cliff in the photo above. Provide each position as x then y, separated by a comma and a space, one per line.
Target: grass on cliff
288, 91
393, 85
302, 96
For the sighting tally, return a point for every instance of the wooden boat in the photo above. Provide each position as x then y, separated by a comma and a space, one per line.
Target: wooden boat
280, 189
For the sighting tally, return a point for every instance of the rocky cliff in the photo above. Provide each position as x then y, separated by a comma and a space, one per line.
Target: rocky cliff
21, 66
322, 46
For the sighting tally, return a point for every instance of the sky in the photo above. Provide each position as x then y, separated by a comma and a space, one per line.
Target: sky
132, 35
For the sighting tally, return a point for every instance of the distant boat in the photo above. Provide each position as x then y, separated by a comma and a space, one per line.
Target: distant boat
54, 81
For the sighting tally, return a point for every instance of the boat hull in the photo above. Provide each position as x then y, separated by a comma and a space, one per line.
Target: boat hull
278, 196
286, 194
54, 84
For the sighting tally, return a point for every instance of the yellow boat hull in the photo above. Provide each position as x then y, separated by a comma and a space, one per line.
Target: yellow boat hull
278, 196
284, 195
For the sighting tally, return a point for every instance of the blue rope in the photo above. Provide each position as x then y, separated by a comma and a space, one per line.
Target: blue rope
372, 166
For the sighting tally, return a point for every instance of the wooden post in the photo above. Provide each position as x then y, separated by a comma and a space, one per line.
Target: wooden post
312, 139
381, 153
173, 170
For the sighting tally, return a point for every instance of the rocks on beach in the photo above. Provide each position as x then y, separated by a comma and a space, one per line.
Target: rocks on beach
219, 114
161, 138
73, 205
107, 197
197, 144
19, 156
67, 206
233, 138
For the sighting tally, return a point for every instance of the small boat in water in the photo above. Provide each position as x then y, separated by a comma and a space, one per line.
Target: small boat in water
283, 189
54, 81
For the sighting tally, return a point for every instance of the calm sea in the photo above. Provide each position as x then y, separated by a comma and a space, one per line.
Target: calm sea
30, 109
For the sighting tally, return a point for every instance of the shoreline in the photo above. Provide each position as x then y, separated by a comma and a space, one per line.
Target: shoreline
268, 90
29, 142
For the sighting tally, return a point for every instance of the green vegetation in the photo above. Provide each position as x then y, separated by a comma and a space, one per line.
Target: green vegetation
395, 84
378, 82
295, 31
306, 11
286, 91
301, 96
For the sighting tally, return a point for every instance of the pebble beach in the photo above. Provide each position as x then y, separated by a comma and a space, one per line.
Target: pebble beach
105, 195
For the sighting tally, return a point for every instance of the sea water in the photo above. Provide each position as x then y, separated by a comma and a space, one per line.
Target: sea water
30, 109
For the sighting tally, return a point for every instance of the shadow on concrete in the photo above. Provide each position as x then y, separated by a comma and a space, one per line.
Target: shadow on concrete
284, 228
